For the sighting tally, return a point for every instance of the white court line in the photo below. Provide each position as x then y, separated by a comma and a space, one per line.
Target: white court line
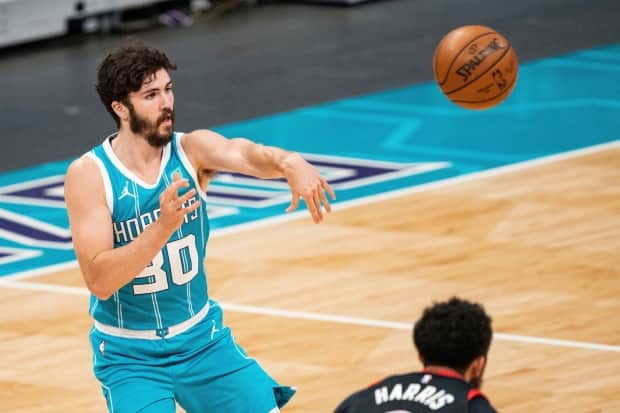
37, 272
365, 200
330, 318
8, 280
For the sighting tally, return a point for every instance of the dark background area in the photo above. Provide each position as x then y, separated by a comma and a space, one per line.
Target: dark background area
276, 56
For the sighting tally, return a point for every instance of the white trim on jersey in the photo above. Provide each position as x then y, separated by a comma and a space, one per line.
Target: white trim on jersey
152, 334
92, 311
109, 390
188, 165
119, 313
107, 147
107, 184
156, 310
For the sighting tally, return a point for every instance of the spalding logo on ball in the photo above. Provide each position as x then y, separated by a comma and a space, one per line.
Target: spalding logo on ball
475, 67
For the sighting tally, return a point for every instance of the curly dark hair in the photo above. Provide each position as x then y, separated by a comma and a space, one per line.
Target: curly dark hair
453, 333
124, 70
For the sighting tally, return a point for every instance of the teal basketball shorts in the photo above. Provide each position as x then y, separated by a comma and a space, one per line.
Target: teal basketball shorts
202, 369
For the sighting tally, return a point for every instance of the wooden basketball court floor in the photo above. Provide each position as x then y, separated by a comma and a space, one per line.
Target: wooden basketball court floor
328, 308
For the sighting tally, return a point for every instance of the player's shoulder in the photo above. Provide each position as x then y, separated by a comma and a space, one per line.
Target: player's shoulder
348, 405
83, 167
204, 148
359, 398
478, 403
83, 173
199, 134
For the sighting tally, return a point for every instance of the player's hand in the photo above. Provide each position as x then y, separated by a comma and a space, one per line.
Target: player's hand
174, 207
306, 182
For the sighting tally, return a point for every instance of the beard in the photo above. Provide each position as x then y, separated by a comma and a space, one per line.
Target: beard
150, 130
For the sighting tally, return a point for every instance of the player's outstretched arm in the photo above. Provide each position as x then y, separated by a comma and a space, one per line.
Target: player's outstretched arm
210, 151
106, 269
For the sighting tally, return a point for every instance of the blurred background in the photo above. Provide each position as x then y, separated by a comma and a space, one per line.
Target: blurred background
243, 59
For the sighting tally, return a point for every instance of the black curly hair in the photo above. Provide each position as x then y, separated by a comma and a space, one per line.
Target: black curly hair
453, 333
124, 70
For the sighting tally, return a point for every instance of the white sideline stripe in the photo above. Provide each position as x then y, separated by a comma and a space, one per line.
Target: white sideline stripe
36, 272
51, 288
365, 200
239, 308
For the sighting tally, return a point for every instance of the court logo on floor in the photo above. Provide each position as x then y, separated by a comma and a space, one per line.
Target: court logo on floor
34, 227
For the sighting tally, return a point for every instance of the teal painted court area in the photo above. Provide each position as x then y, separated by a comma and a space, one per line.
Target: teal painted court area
364, 145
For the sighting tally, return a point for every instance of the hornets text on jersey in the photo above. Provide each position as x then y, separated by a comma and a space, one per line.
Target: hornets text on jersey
173, 288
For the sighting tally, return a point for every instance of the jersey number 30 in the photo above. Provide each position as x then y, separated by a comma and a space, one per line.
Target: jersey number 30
183, 259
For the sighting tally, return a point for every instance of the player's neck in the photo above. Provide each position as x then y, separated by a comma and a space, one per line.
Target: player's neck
443, 370
470, 375
137, 155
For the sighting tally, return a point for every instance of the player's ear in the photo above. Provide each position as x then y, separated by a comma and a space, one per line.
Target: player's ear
476, 368
120, 109
421, 359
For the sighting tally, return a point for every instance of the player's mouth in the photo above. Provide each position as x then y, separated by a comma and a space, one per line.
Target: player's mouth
166, 120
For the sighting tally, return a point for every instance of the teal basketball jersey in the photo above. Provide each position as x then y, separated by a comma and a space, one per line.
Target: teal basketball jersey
173, 288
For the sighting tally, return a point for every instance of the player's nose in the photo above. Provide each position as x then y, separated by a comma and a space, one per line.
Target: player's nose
167, 101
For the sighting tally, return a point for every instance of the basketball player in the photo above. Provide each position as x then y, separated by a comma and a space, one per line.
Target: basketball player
453, 339
140, 228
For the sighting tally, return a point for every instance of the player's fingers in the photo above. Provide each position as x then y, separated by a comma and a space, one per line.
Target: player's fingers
192, 207
294, 202
178, 202
178, 183
314, 211
325, 201
328, 188
172, 191
317, 204
187, 195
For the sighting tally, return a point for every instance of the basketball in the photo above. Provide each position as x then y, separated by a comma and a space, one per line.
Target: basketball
475, 67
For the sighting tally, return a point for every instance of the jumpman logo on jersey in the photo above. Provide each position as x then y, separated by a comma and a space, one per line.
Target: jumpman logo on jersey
214, 329
126, 192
